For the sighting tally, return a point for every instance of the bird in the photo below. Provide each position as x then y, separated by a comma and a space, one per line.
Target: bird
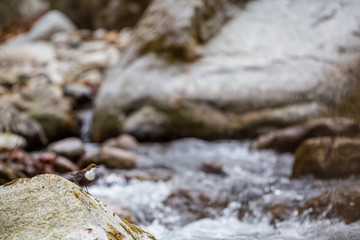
85, 176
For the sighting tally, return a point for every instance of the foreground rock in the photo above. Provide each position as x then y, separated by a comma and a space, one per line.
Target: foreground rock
328, 157
288, 139
343, 203
217, 83
54, 208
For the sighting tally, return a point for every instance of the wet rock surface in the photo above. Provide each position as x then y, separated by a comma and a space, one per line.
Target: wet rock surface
194, 204
340, 203
327, 157
288, 139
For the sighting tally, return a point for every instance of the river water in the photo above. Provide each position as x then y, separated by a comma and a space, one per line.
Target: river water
250, 181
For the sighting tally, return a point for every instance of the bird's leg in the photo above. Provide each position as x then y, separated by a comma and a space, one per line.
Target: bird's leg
87, 190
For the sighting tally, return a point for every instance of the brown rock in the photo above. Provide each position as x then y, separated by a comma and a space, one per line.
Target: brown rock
6, 173
128, 142
288, 139
212, 167
64, 165
116, 158
193, 204
71, 148
152, 174
343, 203
327, 157
124, 141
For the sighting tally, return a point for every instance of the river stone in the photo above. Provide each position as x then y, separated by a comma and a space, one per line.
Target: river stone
79, 92
288, 139
327, 157
10, 141
71, 147
46, 103
27, 52
342, 203
52, 22
245, 66
124, 141
116, 158
64, 165
12, 120
53, 208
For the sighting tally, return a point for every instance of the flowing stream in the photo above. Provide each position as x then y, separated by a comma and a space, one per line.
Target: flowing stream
249, 182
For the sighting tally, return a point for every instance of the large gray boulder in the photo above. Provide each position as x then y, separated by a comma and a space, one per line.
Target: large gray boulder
214, 69
50, 207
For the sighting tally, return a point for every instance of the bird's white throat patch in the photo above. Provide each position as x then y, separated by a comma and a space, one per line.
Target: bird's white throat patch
90, 175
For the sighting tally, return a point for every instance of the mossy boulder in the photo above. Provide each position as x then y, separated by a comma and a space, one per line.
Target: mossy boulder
327, 157
46, 103
51, 207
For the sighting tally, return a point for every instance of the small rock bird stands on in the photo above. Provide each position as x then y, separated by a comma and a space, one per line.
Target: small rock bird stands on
85, 176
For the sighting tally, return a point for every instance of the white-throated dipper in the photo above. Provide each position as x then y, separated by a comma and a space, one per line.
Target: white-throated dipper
85, 176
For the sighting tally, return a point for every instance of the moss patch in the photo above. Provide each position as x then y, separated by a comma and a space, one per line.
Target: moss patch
54, 125
113, 234
105, 126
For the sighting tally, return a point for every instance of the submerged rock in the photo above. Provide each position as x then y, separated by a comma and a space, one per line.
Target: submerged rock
53, 208
327, 157
343, 203
234, 81
288, 139
192, 204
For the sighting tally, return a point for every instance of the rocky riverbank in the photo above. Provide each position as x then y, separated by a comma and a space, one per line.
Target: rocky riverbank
207, 69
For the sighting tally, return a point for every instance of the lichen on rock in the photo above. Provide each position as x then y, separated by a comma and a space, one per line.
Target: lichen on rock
52, 207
